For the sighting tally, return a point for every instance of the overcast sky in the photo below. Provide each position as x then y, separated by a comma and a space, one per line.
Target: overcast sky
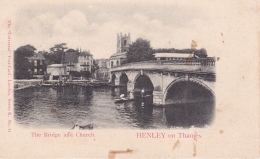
94, 26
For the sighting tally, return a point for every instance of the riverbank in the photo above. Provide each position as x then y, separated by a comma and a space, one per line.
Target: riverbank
23, 84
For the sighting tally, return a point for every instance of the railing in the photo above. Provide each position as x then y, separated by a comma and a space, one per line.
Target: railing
189, 64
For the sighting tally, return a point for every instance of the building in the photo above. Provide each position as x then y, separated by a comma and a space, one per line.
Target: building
173, 56
102, 63
56, 71
85, 61
78, 61
71, 60
123, 42
38, 66
103, 69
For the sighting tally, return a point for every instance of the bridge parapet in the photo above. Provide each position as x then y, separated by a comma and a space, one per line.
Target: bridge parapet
202, 65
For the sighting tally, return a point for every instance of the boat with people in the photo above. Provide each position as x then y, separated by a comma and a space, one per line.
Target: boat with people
122, 99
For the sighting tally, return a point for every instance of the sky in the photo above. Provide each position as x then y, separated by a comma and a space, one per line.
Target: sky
94, 26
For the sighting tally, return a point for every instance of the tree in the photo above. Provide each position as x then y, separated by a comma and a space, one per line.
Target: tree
75, 74
85, 74
58, 53
21, 63
95, 67
202, 53
164, 50
140, 50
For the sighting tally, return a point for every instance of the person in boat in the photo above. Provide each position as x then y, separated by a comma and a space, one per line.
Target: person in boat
122, 96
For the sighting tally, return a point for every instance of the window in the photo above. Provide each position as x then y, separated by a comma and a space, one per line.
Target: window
84, 56
35, 62
117, 63
124, 42
40, 71
35, 70
40, 62
87, 57
84, 69
112, 64
87, 63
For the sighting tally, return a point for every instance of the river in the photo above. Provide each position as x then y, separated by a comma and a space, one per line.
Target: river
47, 107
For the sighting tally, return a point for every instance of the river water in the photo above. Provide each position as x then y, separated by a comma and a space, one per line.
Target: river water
47, 107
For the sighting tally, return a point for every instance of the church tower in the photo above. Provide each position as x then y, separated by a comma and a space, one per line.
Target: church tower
123, 42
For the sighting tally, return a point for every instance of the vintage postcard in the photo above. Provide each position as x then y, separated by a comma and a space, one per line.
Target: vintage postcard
132, 79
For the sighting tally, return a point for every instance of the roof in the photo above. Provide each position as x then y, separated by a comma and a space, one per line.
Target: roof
71, 57
56, 65
102, 59
178, 55
118, 55
84, 53
37, 56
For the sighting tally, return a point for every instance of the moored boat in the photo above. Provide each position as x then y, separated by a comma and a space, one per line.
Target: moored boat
47, 84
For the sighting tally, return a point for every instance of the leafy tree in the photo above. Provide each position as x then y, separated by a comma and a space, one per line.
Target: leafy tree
85, 74
75, 73
58, 53
95, 67
202, 53
140, 50
164, 50
21, 63
46, 55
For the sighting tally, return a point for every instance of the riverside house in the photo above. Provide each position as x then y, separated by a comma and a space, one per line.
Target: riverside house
78, 62
38, 66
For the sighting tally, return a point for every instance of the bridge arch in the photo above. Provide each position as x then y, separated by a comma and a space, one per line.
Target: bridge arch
143, 88
143, 81
195, 82
123, 79
189, 102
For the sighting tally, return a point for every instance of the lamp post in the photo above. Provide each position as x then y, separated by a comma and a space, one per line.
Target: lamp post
142, 92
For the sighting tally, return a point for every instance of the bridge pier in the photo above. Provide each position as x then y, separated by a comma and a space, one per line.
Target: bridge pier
158, 98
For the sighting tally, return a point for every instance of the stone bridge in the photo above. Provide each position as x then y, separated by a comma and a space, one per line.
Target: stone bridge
167, 81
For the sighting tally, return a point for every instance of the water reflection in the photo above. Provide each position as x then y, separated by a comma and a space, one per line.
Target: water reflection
63, 107
197, 114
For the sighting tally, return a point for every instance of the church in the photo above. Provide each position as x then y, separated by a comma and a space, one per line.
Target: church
123, 42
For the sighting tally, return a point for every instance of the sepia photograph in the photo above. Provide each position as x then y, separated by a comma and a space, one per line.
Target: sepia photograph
132, 79
112, 66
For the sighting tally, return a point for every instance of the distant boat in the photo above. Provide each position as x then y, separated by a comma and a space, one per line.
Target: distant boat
47, 84
122, 100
